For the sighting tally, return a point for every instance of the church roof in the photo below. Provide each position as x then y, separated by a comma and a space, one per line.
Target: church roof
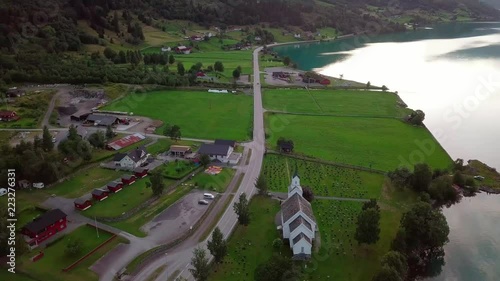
295, 204
298, 221
299, 237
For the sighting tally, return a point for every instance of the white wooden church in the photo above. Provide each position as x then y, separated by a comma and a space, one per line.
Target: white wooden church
297, 221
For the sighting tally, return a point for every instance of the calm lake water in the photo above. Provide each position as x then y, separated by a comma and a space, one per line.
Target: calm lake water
452, 73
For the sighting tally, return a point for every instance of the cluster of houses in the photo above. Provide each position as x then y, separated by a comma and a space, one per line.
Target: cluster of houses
312, 77
98, 120
296, 221
100, 194
221, 151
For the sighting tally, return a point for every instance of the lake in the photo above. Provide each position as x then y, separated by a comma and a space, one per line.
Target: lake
452, 73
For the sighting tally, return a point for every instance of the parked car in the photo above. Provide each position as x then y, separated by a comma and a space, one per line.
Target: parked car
203, 202
38, 185
208, 196
3, 191
479, 178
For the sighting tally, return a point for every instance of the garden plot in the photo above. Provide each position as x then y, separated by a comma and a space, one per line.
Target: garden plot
324, 180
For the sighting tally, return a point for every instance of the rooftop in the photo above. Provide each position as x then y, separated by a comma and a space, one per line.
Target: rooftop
44, 220
295, 204
214, 149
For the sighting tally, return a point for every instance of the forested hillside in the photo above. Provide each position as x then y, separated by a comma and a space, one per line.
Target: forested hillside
39, 39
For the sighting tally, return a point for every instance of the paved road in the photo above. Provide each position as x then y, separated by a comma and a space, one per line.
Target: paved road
179, 258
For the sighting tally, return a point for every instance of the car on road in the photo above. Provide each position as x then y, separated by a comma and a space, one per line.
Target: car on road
203, 202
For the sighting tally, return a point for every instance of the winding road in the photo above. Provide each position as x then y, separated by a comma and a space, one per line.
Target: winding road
178, 260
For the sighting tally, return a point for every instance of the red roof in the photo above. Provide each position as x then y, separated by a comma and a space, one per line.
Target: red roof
7, 114
126, 141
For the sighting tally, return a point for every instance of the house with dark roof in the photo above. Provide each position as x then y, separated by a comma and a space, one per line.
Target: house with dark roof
100, 194
114, 186
132, 159
101, 120
297, 221
219, 152
140, 172
45, 226
128, 179
82, 204
231, 143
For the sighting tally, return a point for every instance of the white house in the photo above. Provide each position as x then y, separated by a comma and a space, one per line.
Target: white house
131, 160
296, 35
298, 223
220, 152
166, 49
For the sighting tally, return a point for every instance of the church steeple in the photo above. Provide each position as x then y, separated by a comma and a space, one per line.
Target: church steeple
295, 185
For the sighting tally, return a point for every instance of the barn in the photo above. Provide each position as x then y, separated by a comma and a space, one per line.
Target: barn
128, 179
45, 226
83, 204
115, 186
100, 194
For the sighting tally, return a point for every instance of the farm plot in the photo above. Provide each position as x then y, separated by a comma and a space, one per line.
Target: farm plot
334, 102
378, 143
324, 180
198, 114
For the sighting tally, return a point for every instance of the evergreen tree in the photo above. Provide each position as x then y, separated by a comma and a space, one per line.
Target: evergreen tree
201, 267
242, 209
47, 143
217, 245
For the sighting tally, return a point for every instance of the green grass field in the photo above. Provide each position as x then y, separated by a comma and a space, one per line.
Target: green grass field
177, 169
377, 143
30, 108
250, 245
133, 224
217, 183
55, 259
84, 182
27, 215
334, 102
199, 114
128, 198
324, 180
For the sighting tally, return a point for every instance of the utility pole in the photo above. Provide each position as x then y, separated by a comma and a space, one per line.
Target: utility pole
96, 229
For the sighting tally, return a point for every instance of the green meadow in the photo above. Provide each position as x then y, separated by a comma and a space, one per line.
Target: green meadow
198, 113
378, 143
334, 102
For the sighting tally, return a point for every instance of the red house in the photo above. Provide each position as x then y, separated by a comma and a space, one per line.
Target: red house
45, 226
100, 194
128, 179
140, 172
83, 204
114, 186
6, 115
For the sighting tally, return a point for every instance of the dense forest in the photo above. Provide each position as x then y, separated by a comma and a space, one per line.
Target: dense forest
37, 37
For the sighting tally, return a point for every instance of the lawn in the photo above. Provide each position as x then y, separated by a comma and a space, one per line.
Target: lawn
126, 199
50, 266
133, 224
27, 215
217, 183
250, 245
324, 180
334, 102
378, 143
230, 60
84, 182
199, 114
177, 169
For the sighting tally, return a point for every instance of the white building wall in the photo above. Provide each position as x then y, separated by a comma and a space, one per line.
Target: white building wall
302, 247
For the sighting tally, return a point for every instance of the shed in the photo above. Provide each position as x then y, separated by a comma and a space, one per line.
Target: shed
100, 194
82, 204
128, 179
